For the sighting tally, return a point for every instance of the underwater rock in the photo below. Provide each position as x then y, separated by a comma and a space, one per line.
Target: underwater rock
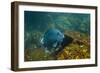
79, 48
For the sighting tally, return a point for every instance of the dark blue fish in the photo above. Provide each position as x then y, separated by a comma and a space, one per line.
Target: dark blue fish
52, 39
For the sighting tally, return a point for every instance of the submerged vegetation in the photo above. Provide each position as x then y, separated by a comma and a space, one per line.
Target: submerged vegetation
78, 49
77, 26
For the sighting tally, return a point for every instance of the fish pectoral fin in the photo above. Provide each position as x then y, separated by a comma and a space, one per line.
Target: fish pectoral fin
42, 41
55, 44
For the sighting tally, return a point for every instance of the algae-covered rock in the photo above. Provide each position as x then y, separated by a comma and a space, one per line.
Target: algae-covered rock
78, 49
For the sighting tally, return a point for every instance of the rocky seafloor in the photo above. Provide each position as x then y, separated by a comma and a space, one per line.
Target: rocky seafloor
78, 49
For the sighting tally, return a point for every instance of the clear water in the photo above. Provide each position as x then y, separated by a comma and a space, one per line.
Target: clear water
76, 25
